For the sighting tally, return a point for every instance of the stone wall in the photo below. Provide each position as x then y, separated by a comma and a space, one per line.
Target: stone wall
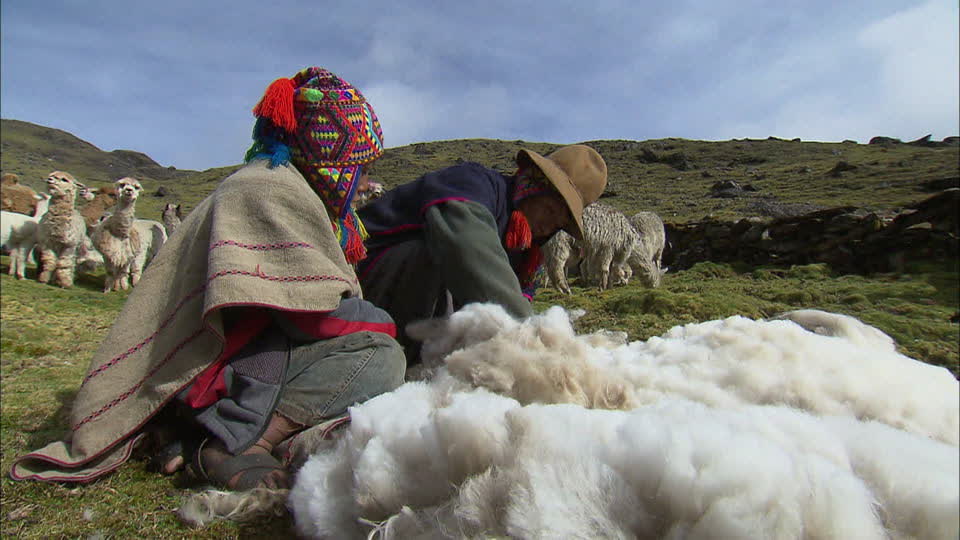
851, 240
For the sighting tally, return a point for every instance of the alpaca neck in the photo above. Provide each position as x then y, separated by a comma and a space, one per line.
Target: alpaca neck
60, 206
121, 221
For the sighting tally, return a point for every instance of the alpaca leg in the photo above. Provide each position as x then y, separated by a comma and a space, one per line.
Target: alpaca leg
555, 270
620, 269
13, 261
63, 273
123, 277
135, 273
624, 273
110, 277
18, 261
48, 262
602, 267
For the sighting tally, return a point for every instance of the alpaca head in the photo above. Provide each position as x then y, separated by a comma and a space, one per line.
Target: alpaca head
87, 193
62, 185
172, 210
128, 189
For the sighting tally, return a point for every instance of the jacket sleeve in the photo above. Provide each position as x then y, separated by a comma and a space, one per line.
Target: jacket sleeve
462, 240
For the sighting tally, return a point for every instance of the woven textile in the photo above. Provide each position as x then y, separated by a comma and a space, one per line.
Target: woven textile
530, 181
325, 127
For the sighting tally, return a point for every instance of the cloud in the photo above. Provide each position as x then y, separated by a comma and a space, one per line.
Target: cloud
163, 80
918, 72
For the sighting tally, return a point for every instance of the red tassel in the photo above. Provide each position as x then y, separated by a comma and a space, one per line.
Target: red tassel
531, 263
518, 231
277, 104
354, 251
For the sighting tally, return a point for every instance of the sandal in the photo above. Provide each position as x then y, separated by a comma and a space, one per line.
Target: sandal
252, 469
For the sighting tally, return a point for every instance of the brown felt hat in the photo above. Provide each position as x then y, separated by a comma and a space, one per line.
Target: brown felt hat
578, 173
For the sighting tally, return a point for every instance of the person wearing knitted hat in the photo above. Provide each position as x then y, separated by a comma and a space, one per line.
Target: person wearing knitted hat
247, 336
470, 234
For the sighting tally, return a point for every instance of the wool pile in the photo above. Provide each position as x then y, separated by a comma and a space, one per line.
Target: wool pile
808, 426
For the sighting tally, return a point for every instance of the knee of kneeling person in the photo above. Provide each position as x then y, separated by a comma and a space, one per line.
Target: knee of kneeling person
386, 367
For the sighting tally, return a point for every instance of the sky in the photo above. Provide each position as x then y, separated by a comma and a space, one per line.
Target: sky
177, 79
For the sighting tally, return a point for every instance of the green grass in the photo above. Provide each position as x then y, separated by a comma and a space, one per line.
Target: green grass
48, 336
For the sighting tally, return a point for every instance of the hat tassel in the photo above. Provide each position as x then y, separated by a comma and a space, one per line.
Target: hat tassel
277, 104
518, 235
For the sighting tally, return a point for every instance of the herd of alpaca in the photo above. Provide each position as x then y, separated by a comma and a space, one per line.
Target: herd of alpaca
75, 228
614, 248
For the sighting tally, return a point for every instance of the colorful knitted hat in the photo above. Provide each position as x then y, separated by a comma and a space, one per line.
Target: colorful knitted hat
325, 127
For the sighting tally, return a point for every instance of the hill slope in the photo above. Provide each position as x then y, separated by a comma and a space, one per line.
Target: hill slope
673, 177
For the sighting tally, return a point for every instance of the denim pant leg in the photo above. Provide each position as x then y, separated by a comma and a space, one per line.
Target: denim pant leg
325, 377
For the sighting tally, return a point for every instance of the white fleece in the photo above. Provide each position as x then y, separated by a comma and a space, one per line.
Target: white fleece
725, 429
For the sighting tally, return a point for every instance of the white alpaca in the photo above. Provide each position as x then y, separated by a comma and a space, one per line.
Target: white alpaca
152, 235
117, 239
646, 255
19, 234
60, 231
609, 239
171, 217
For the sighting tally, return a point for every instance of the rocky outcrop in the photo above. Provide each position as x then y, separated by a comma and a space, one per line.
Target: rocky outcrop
850, 239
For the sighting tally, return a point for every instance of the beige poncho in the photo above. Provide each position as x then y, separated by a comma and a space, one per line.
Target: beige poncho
262, 238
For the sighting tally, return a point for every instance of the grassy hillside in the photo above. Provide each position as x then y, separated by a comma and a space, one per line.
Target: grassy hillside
672, 177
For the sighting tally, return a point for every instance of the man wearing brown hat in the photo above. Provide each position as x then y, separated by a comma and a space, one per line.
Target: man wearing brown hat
470, 234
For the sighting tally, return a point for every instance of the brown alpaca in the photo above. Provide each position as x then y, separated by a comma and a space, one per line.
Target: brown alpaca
16, 197
118, 240
98, 201
60, 231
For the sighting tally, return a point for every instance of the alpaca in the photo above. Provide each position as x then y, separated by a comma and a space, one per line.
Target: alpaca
87, 194
98, 201
16, 197
152, 236
19, 234
368, 192
561, 255
608, 239
60, 231
171, 217
88, 258
117, 239
646, 255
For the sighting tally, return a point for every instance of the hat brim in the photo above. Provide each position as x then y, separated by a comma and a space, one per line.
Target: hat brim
562, 183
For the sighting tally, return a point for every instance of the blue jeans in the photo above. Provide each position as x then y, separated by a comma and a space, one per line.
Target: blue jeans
325, 377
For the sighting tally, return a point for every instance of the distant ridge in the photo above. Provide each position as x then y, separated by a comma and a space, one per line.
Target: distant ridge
682, 180
32, 151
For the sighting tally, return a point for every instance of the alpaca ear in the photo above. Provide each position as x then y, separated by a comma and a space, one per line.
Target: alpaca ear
179, 215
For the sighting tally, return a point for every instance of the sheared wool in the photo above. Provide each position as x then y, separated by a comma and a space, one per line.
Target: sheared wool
726, 429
